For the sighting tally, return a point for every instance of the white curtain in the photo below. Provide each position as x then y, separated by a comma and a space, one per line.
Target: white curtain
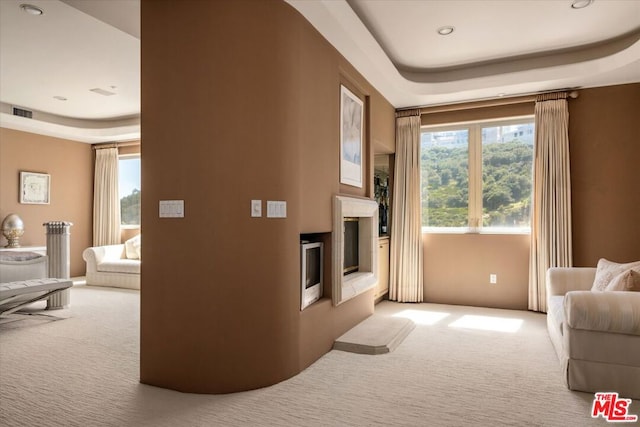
106, 200
405, 275
551, 216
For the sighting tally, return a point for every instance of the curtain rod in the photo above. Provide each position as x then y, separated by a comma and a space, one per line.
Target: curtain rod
115, 145
496, 102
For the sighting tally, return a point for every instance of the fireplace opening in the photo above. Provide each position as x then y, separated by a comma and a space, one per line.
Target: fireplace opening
351, 243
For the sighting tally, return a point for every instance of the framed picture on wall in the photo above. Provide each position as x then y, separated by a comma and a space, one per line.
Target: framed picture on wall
34, 188
351, 136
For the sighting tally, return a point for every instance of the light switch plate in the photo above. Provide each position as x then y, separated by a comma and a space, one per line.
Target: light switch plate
256, 208
276, 209
171, 208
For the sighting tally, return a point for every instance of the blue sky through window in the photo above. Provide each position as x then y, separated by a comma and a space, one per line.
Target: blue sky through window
129, 171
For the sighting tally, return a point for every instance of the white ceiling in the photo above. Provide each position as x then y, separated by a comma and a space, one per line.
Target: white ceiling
498, 47
67, 52
489, 30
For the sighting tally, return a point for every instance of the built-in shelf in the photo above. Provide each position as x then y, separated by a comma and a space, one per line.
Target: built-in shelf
382, 287
382, 192
325, 238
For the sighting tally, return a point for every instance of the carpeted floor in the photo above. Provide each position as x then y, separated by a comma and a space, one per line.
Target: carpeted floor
83, 371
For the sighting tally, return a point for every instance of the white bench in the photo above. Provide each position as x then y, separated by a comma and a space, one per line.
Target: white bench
15, 295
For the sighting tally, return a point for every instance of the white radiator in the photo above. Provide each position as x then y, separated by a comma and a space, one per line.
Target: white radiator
58, 238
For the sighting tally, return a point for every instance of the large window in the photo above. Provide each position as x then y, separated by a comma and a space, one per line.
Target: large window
129, 187
477, 176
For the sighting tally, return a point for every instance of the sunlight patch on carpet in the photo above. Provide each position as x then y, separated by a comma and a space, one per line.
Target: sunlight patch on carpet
498, 324
422, 317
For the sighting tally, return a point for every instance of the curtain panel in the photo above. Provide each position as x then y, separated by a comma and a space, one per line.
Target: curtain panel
551, 214
405, 275
106, 200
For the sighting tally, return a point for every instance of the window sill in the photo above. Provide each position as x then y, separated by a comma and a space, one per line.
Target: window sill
489, 231
129, 227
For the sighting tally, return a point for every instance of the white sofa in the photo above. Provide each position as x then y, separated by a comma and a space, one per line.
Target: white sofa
109, 266
15, 266
595, 334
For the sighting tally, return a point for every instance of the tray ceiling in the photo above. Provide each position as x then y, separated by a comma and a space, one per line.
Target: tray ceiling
87, 52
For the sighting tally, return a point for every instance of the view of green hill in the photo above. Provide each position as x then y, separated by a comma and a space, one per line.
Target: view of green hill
506, 185
130, 208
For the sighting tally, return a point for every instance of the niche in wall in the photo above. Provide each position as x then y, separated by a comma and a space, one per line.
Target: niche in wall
325, 239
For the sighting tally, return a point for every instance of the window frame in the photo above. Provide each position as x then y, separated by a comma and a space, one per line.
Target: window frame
474, 149
129, 157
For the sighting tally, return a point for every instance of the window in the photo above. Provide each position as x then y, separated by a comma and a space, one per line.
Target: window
477, 176
129, 187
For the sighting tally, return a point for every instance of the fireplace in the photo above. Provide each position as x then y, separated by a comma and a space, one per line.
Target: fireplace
354, 247
351, 245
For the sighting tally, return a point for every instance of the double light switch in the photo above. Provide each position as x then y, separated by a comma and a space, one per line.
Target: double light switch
171, 208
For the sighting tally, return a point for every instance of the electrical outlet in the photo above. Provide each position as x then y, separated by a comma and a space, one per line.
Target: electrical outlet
493, 279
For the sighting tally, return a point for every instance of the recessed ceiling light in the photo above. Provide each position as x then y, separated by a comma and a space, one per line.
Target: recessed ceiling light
579, 4
60, 98
445, 31
501, 94
31, 9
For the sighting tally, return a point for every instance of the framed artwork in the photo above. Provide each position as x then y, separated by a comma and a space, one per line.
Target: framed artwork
34, 188
351, 119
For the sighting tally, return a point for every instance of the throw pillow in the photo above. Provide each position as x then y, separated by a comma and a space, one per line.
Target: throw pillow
138, 245
607, 270
626, 281
132, 247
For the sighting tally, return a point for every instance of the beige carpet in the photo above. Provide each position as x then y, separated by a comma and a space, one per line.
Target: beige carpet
83, 371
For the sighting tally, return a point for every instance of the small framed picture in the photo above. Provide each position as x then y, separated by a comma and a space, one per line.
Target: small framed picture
351, 118
34, 188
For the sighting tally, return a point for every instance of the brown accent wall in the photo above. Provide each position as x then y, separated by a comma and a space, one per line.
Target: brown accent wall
476, 114
128, 233
457, 269
127, 149
253, 114
604, 137
383, 130
70, 165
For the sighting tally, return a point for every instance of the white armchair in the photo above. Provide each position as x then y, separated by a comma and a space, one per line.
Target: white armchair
109, 266
595, 334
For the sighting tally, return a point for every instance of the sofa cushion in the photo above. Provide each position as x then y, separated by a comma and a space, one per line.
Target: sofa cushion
130, 266
625, 281
617, 312
132, 247
607, 270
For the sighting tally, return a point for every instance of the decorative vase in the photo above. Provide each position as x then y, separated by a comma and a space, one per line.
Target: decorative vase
12, 229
